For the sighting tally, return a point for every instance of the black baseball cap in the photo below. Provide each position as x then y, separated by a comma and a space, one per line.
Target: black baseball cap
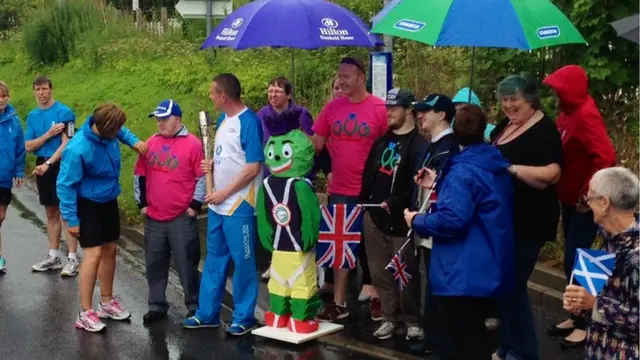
400, 97
437, 103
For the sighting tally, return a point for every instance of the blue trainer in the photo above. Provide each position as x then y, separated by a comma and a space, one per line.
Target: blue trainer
194, 322
239, 330
3, 265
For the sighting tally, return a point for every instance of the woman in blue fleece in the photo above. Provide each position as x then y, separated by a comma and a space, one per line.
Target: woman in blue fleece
471, 226
88, 187
13, 157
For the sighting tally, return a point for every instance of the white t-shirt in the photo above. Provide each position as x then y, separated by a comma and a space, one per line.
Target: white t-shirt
238, 143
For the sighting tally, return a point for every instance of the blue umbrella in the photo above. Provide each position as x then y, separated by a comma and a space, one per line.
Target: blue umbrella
302, 24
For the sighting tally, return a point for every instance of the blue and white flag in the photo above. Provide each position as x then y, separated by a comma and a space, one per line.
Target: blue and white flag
592, 268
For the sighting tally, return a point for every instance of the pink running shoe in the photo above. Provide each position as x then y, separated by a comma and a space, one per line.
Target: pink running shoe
113, 310
89, 321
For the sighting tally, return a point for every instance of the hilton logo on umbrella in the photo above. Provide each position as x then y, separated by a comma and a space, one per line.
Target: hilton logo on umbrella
229, 34
548, 32
409, 25
330, 31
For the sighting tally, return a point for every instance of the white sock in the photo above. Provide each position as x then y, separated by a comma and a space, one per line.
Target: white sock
72, 256
55, 253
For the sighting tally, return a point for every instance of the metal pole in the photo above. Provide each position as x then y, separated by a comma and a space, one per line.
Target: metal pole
293, 73
473, 60
209, 15
388, 39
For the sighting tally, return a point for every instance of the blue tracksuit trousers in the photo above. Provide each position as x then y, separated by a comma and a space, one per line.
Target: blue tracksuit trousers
229, 237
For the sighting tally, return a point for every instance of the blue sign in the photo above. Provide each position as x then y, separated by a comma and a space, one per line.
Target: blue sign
380, 73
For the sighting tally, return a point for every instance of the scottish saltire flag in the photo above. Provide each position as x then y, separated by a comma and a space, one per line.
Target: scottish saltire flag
398, 267
339, 240
592, 268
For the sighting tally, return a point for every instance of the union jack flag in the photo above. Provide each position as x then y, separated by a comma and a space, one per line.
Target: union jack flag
339, 240
398, 267
433, 199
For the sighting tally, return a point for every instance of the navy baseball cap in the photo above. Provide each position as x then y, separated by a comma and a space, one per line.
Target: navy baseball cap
437, 103
166, 109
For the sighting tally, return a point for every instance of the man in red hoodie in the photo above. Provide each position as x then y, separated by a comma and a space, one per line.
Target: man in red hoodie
587, 149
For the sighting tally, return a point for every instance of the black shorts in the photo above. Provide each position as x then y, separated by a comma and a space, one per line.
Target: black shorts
99, 222
47, 184
5, 196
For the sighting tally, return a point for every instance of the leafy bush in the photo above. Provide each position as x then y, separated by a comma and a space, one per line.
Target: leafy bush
50, 38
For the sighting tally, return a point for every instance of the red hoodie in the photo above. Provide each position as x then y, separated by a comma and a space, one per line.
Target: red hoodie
585, 143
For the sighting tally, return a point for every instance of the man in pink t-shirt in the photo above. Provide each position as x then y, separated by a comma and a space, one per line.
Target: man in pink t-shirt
170, 188
348, 126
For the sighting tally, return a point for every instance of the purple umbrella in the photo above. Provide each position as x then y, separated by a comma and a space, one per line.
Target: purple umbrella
302, 24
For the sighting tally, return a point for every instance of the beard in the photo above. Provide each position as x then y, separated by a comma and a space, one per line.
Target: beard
397, 124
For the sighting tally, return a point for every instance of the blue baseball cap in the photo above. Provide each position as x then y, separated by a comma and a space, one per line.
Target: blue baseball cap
166, 109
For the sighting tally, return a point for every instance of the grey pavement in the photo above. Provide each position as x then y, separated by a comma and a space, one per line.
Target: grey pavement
37, 311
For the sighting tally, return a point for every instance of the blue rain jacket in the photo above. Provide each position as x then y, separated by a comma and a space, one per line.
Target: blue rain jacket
471, 226
90, 169
12, 148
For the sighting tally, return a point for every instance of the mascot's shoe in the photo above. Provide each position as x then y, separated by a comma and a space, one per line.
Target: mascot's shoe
303, 327
278, 321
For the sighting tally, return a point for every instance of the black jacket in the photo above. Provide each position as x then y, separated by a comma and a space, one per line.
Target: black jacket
377, 189
434, 156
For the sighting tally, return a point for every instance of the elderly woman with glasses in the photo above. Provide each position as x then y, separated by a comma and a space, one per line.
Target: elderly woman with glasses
613, 333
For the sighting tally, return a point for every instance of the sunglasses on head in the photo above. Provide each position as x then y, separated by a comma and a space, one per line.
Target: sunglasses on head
356, 63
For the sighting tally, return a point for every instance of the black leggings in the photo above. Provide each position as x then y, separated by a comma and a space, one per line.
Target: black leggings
362, 254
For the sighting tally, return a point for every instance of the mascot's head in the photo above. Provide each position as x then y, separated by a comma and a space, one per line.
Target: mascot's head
289, 152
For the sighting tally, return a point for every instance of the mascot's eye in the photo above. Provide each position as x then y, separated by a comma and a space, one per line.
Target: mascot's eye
287, 151
270, 152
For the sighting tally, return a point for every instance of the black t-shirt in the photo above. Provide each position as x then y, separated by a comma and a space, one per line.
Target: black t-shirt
536, 212
388, 176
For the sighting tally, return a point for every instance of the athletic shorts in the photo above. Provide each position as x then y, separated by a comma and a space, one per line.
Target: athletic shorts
47, 184
99, 222
5, 196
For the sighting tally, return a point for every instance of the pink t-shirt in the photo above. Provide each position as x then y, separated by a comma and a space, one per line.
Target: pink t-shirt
171, 167
350, 130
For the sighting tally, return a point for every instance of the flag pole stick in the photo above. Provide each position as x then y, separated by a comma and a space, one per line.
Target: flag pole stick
370, 205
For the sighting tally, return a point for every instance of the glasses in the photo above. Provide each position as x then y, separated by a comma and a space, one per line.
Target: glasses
591, 198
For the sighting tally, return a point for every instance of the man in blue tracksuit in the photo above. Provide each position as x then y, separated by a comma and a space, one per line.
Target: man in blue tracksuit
473, 245
49, 128
13, 157
232, 227
88, 187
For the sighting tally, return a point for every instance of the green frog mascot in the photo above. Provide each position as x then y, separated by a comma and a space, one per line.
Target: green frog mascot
288, 225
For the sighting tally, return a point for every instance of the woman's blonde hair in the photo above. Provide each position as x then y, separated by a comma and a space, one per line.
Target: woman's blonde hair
331, 84
4, 88
108, 119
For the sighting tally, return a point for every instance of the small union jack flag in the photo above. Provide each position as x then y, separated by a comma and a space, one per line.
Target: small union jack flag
339, 239
398, 267
433, 199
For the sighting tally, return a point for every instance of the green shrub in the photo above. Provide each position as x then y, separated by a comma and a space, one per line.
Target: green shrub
50, 38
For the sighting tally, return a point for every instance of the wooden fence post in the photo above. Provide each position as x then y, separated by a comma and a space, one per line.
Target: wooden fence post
164, 18
138, 18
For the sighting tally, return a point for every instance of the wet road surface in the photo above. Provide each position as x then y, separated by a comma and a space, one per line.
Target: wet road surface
37, 312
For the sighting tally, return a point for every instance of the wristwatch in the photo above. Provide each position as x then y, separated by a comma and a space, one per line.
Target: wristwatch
48, 162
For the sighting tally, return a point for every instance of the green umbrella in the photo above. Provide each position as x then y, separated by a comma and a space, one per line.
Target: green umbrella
516, 24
